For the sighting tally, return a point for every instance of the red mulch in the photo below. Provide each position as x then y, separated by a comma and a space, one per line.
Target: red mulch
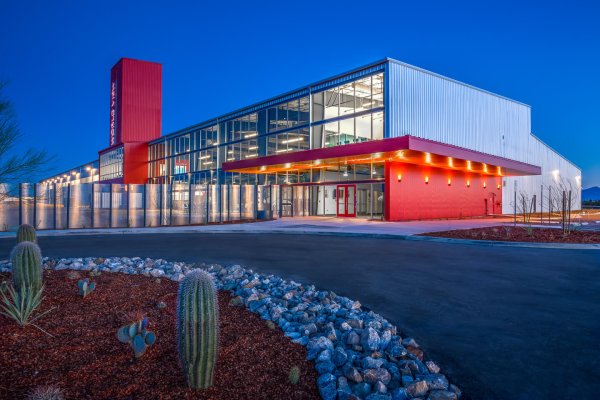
520, 234
87, 361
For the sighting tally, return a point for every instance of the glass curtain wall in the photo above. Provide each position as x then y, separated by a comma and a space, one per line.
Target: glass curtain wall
351, 112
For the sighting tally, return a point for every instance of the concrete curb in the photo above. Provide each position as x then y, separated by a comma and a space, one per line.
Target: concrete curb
415, 237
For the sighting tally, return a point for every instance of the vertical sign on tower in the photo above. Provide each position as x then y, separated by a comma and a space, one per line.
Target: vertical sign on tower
113, 112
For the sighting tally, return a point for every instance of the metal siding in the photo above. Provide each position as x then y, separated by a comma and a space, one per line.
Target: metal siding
430, 106
550, 161
141, 98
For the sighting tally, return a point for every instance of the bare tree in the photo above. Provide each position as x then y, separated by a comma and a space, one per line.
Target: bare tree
562, 199
524, 206
15, 166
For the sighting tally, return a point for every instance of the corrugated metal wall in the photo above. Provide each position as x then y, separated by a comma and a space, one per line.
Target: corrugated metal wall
141, 100
430, 106
557, 173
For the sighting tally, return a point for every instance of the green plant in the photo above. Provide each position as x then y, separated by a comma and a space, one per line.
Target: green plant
49, 392
294, 375
95, 272
26, 233
137, 335
197, 328
19, 305
73, 275
85, 287
26, 260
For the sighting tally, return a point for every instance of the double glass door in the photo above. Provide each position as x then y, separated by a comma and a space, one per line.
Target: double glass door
346, 200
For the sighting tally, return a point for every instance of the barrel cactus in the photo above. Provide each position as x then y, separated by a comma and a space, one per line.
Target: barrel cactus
197, 328
137, 335
26, 260
26, 233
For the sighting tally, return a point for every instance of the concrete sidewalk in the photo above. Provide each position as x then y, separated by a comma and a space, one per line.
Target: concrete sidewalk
306, 225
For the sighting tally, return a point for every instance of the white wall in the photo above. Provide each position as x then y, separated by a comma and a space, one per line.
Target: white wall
557, 173
426, 105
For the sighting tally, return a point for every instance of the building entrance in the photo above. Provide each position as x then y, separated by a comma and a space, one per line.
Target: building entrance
346, 200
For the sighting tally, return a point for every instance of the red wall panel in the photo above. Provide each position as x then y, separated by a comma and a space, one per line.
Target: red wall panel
411, 198
135, 163
136, 100
135, 113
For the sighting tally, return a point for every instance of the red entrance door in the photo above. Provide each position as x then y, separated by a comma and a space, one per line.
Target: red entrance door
346, 200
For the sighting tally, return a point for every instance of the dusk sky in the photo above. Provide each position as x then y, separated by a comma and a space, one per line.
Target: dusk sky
220, 56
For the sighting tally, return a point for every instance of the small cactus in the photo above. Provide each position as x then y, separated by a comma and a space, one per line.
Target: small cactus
85, 287
26, 233
294, 375
138, 337
73, 275
26, 260
197, 328
271, 324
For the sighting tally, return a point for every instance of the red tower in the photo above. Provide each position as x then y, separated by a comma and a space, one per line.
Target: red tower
135, 119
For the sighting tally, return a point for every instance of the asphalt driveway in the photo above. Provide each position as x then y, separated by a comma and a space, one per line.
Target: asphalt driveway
503, 322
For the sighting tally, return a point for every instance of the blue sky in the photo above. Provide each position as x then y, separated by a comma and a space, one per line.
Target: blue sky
219, 56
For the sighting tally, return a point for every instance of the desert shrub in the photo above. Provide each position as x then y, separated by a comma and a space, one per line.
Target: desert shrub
19, 305
48, 392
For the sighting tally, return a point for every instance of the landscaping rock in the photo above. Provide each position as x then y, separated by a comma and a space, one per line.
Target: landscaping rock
417, 389
377, 375
442, 395
357, 354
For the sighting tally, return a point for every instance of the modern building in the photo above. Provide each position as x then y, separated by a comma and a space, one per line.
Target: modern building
387, 140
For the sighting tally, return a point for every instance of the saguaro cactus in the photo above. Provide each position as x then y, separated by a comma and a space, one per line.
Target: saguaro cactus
197, 328
26, 260
26, 233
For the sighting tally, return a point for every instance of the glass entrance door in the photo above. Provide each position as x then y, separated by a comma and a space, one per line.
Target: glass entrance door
346, 200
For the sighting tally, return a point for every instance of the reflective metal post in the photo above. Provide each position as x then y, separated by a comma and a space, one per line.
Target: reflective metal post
110, 206
92, 203
55, 200
189, 201
20, 204
144, 203
128, 189
68, 204
35, 186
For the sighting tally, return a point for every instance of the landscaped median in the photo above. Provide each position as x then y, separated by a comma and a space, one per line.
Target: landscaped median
261, 354
526, 234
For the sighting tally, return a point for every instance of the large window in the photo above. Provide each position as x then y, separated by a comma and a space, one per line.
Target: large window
111, 164
349, 113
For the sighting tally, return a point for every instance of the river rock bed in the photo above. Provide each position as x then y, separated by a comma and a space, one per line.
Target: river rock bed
357, 354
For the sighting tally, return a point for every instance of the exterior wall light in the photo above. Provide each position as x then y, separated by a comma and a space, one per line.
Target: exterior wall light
427, 157
426, 180
450, 162
499, 170
484, 185
399, 177
287, 165
469, 165
485, 168
449, 181
468, 183
498, 186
